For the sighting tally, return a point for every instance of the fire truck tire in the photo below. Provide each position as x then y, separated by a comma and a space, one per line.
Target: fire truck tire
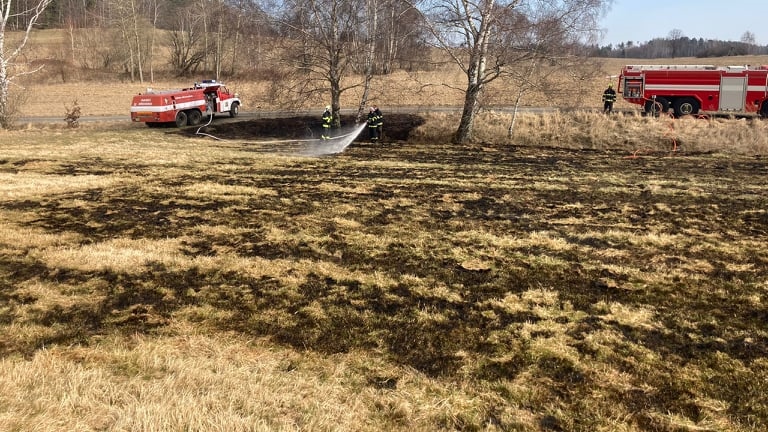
764, 110
194, 117
234, 110
686, 106
181, 119
656, 108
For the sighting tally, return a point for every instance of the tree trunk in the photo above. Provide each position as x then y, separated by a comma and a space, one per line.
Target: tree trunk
511, 129
9, 107
466, 124
135, 18
372, 9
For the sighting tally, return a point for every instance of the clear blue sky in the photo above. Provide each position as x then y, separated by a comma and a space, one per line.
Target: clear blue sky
643, 20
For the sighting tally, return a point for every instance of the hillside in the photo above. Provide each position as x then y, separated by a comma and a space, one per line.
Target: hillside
104, 93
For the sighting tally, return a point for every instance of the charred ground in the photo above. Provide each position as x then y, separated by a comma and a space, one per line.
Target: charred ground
397, 127
647, 267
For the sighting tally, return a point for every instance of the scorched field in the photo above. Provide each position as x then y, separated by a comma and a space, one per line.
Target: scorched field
156, 280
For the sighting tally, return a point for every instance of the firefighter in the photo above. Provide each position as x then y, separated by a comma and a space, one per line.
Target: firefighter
373, 125
327, 119
609, 97
379, 122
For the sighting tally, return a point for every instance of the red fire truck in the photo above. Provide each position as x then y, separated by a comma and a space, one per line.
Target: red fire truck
693, 89
184, 106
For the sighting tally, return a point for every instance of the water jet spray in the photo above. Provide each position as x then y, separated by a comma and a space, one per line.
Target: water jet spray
336, 144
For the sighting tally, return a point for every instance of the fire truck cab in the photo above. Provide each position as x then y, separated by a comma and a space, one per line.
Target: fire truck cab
694, 89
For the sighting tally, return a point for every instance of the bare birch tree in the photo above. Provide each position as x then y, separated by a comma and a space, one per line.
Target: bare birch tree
127, 18
370, 52
400, 26
486, 38
9, 70
154, 8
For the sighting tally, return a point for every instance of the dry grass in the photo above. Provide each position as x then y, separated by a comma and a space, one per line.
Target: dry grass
593, 273
583, 130
152, 281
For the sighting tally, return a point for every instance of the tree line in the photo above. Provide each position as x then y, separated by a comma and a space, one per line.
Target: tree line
212, 37
676, 44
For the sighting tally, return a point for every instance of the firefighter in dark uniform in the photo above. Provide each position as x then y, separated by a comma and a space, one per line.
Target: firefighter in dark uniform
609, 97
379, 122
327, 119
373, 125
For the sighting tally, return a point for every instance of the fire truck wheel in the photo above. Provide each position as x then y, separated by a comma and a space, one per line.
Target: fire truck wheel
686, 106
657, 107
234, 110
194, 117
181, 119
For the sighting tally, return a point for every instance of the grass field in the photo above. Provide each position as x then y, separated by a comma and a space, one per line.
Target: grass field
151, 280
587, 273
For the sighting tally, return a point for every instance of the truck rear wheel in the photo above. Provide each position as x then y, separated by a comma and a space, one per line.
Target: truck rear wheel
181, 119
686, 106
194, 117
656, 107
234, 110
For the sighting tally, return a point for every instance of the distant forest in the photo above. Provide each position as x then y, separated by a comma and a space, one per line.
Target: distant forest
678, 45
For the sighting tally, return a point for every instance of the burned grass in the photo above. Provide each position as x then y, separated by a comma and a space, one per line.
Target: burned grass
398, 128
562, 289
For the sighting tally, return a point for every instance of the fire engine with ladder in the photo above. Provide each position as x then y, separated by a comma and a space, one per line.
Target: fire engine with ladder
695, 89
184, 107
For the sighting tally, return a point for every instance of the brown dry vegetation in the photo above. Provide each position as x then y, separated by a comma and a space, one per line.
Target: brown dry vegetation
100, 94
153, 280
591, 273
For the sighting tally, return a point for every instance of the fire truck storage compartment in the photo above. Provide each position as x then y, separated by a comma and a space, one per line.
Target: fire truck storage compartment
732, 93
633, 87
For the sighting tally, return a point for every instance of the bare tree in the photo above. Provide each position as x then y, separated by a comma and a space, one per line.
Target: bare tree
320, 50
154, 9
187, 53
401, 25
748, 38
128, 20
9, 70
253, 32
370, 51
485, 38
676, 41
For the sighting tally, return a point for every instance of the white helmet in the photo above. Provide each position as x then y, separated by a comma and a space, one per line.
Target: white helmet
328, 107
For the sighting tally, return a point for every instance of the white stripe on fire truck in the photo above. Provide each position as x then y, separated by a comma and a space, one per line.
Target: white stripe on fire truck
670, 87
163, 108
712, 88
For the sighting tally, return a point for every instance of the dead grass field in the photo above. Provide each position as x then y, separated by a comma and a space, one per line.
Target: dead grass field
152, 280
590, 273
